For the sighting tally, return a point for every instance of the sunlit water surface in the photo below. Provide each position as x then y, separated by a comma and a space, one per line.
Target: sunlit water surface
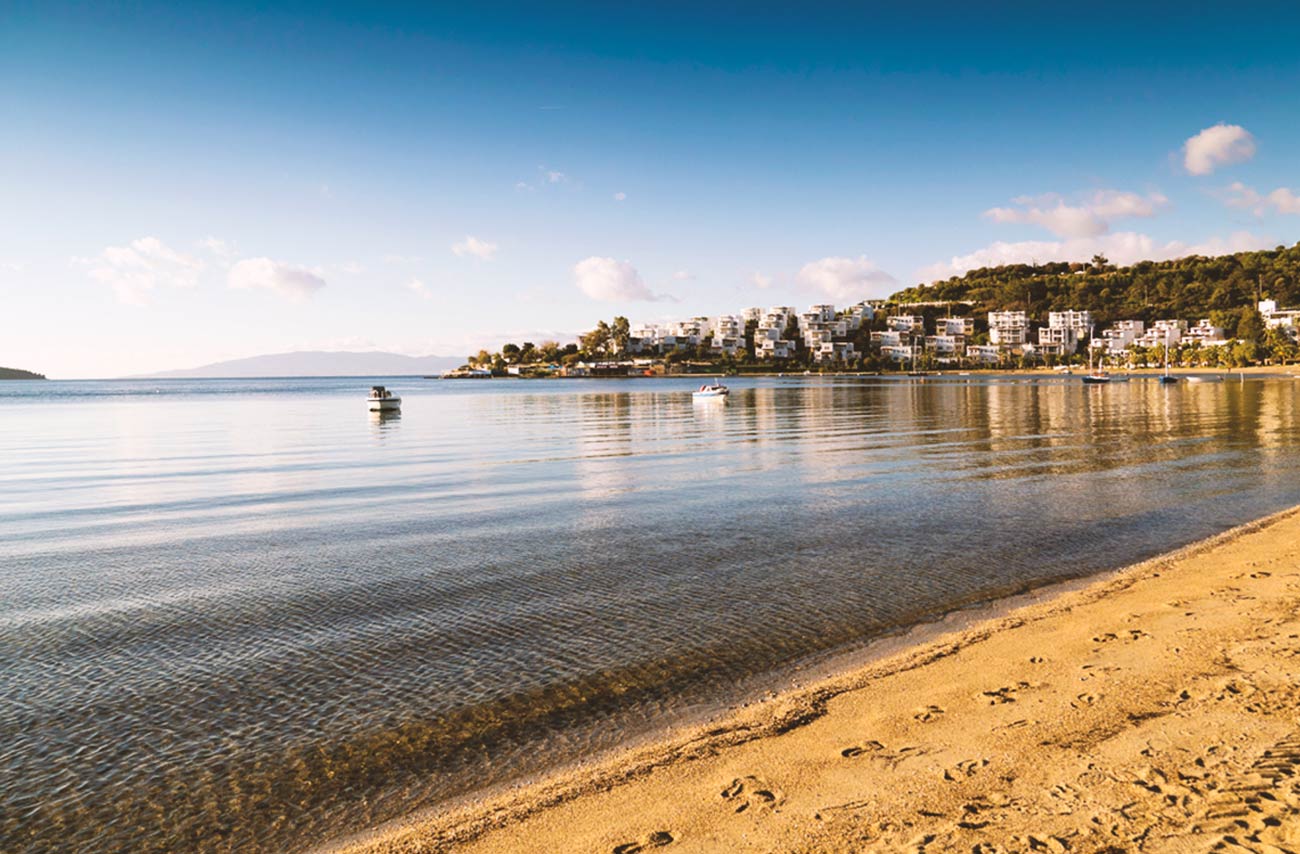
249, 616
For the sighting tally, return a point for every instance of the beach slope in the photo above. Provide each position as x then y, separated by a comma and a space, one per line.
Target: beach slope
1156, 709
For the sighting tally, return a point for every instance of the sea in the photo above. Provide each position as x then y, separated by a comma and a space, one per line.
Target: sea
250, 615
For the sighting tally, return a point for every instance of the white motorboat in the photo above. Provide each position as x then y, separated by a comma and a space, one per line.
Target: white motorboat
712, 390
383, 400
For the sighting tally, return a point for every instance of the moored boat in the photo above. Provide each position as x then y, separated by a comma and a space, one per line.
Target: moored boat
711, 390
383, 400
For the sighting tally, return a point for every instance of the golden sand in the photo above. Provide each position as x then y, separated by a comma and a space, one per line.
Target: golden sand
1157, 709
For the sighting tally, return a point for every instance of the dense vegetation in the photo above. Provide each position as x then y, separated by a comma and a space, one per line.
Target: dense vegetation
1225, 288
15, 374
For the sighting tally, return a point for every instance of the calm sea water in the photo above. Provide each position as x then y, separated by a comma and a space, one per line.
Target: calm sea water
249, 616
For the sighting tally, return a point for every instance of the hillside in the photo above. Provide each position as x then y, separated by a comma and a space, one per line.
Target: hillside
16, 374
319, 363
1192, 287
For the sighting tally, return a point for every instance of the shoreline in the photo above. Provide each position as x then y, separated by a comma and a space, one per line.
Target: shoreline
593, 804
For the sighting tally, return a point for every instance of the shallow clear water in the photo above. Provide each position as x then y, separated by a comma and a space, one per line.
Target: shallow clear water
249, 616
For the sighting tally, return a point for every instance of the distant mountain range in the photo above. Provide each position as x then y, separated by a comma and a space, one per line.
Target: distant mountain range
319, 363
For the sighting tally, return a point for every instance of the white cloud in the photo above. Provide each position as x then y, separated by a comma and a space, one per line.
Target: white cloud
683, 276
760, 281
846, 278
1217, 146
1088, 217
419, 288
611, 280
142, 265
1121, 248
1282, 200
217, 246
471, 245
554, 176
620, 197
296, 283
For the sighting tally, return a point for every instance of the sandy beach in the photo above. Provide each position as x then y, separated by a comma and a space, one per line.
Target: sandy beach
1155, 709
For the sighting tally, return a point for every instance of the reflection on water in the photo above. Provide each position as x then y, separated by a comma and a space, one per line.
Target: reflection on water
383, 421
239, 616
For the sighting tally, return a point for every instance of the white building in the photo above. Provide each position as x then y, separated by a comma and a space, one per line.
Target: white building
835, 351
1162, 332
984, 354
945, 345
1206, 334
1288, 320
1079, 321
1117, 339
1008, 328
891, 338
955, 326
905, 323
1058, 340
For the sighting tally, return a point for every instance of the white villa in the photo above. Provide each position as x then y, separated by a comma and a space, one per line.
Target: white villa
829, 334
1009, 328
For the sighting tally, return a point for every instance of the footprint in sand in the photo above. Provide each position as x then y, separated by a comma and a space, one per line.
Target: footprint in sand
1256, 811
1005, 694
965, 768
929, 713
859, 749
1126, 636
658, 839
876, 751
1085, 699
752, 793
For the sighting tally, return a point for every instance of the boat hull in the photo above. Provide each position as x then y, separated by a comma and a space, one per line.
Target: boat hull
388, 404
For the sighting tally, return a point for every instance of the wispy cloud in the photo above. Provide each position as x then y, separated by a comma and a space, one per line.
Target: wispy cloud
761, 281
1121, 248
296, 283
1220, 145
1089, 216
841, 278
217, 246
611, 280
419, 288
472, 246
620, 197
1282, 200
683, 276
136, 269
546, 177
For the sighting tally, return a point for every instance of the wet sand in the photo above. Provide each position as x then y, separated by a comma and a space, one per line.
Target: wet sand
1154, 709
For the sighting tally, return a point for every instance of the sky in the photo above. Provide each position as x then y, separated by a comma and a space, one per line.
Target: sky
186, 183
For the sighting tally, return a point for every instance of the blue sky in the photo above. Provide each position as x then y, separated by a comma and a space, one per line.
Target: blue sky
190, 183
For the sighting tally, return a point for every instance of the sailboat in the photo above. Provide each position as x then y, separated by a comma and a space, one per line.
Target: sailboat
1167, 378
1095, 376
915, 372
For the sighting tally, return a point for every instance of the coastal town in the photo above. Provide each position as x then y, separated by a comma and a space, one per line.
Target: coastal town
882, 335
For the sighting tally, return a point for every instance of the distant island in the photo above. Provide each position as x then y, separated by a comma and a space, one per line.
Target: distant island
16, 374
316, 363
